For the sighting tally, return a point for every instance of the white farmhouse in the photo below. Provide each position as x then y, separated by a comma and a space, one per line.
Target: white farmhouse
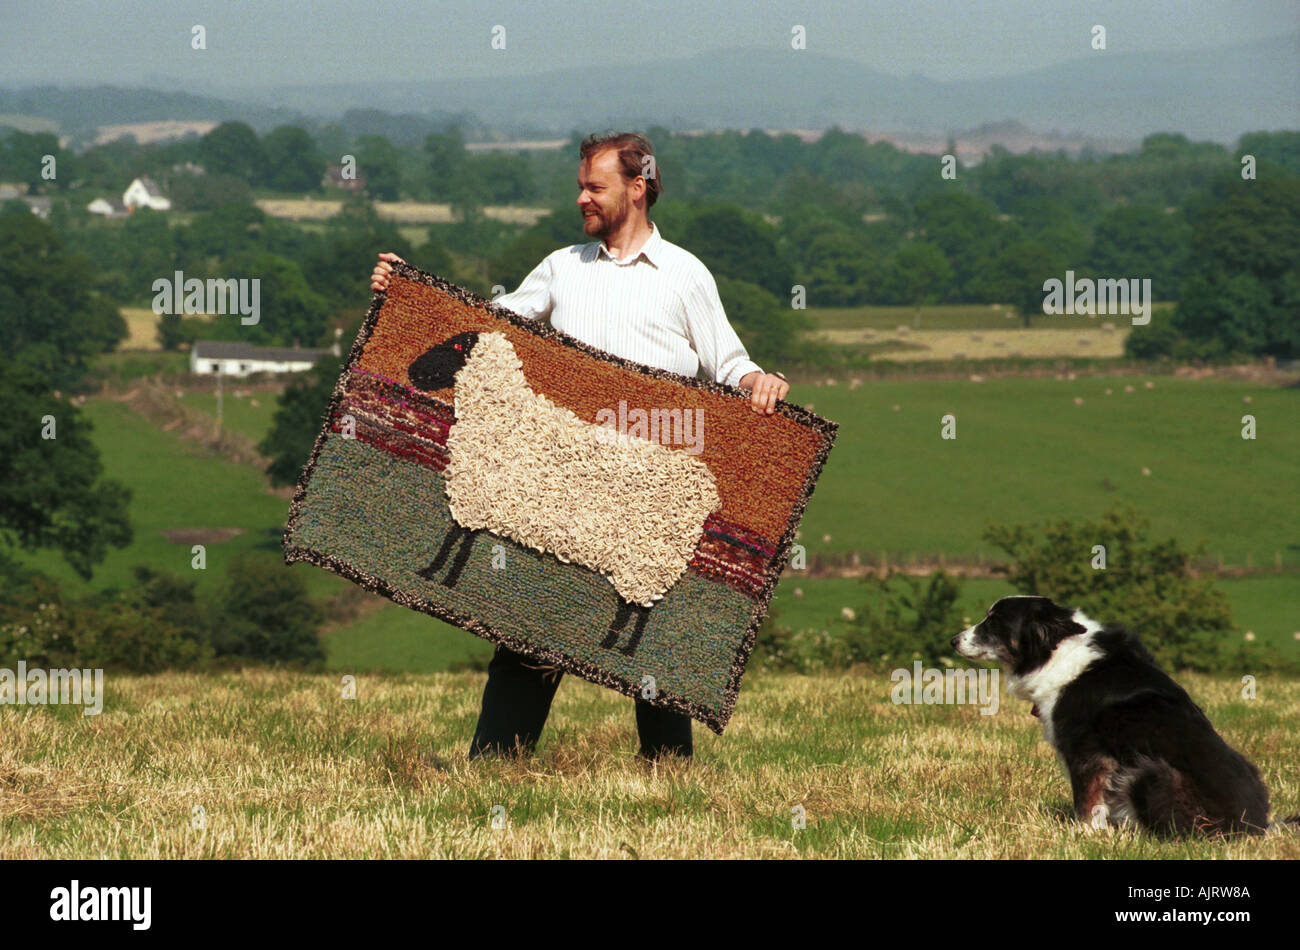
108, 207
209, 357
145, 193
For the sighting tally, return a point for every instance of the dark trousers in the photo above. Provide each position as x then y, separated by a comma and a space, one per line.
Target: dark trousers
518, 697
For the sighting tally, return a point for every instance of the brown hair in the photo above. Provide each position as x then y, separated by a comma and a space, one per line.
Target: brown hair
632, 151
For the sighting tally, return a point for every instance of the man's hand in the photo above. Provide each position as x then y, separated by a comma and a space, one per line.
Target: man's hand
379, 276
766, 388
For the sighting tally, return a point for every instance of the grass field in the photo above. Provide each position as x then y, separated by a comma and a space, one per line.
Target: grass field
278, 765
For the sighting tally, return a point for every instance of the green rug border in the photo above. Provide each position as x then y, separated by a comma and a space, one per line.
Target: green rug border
717, 722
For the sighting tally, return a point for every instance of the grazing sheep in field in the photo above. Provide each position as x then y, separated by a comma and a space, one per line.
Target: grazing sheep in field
523, 467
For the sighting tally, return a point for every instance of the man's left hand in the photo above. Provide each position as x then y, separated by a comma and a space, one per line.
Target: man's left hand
766, 388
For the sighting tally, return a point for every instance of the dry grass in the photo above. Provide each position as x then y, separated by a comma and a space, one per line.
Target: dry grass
147, 133
986, 344
408, 212
142, 329
277, 765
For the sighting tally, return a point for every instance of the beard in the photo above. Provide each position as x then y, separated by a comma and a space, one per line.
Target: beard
606, 220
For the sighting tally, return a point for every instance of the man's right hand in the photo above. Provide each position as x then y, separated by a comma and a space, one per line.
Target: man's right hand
379, 276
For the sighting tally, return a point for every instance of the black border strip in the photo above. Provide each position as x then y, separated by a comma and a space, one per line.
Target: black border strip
294, 553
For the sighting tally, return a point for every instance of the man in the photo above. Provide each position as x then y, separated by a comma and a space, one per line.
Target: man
634, 295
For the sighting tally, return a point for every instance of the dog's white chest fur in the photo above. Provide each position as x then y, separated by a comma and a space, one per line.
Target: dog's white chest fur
1043, 686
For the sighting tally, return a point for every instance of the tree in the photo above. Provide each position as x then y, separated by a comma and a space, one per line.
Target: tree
337, 266
292, 313
1282, 148
206, 192
298, 417
379, 162
232, 148
447, 157
52, 494
22, 158
1244, 280
919, 620
175, 331
148, 248
266, 614
499, 178
1146, 585
919, 274
841, 269
738, 244
45, 627
913, 621
50, 319
966, 228
1141, 241
220, 234
770, 330
1016, 276
292, 161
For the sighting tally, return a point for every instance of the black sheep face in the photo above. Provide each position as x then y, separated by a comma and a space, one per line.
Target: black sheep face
437, 368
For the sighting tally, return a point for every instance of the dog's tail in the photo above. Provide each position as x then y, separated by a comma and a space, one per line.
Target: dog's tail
1286, 824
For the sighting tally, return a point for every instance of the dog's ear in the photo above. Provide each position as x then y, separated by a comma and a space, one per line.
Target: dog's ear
1030, 639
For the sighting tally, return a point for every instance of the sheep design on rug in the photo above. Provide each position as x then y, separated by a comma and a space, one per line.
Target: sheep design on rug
502, 474
468, 469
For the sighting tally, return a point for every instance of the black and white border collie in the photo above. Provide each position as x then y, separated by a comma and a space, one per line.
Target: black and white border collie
1137, 749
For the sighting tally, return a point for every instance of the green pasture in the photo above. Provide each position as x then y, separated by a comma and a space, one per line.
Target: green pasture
238, 413
1026, 452
179, 485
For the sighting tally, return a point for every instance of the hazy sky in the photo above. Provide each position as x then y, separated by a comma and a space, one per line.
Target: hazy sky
258, 42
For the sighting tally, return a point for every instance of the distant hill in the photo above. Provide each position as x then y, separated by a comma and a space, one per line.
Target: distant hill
80, 110
1214, 94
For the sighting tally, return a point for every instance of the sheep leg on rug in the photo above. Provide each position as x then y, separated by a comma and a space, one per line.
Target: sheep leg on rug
457, 533
625, 611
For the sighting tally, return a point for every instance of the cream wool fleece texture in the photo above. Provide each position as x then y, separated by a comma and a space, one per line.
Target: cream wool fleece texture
523, 467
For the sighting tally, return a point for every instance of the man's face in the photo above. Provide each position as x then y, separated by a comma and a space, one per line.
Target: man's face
603, 194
